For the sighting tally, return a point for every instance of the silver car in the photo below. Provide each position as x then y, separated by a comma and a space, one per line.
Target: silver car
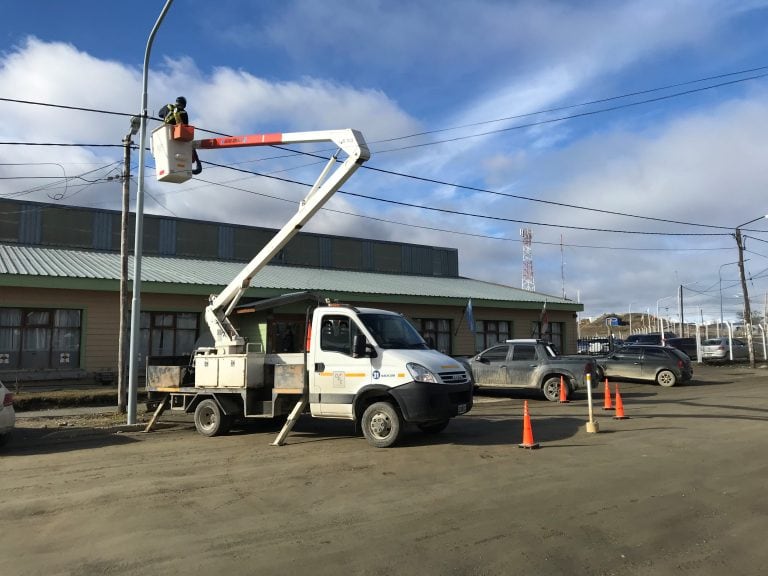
716, 350
7, 414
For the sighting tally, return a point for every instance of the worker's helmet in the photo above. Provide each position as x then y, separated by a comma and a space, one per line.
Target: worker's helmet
181, 102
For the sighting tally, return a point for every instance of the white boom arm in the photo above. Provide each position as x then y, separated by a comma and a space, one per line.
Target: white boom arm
226, 338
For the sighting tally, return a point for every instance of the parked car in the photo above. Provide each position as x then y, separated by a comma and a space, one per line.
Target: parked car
652, 338
597, 345
664, 365
7, 414
716, 350
687, 345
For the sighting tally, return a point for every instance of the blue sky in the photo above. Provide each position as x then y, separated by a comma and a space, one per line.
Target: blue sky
459, 73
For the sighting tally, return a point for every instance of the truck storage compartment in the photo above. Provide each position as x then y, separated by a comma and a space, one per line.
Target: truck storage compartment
229, 370
166, 371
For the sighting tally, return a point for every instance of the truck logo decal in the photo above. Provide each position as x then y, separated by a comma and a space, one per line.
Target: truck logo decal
376, 374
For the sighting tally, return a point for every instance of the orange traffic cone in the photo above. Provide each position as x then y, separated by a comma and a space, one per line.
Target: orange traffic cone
619, 406
527, 431
607, 397
563, 392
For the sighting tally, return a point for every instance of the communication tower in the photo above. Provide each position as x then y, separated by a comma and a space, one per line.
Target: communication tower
528, 282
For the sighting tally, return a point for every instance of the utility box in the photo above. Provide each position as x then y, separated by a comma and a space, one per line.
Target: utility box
229, 371
173, 155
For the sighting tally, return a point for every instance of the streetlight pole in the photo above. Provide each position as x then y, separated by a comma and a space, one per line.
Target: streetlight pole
133, 364
122, 373
747, 309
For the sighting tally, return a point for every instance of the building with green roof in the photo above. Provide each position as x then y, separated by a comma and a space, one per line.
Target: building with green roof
60, 271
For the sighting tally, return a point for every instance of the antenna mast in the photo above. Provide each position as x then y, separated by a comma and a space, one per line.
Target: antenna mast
528, 281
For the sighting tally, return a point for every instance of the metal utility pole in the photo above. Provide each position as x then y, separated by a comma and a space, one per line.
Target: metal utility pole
133, 364
122, 366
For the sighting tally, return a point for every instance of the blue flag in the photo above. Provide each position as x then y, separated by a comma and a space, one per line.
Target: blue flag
470, 316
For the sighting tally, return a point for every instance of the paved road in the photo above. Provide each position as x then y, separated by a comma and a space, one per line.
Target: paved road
679, 488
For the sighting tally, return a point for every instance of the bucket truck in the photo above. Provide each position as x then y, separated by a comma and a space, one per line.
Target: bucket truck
366, 365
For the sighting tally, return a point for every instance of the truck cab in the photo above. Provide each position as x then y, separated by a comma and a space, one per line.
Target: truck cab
359, 357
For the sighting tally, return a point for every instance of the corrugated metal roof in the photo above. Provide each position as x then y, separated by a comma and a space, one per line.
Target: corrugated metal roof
42, 261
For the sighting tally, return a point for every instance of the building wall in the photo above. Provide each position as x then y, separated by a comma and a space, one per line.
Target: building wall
101, 316
35, 223
100, 321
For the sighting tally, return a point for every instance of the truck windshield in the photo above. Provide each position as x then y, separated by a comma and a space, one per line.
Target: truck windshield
393, 332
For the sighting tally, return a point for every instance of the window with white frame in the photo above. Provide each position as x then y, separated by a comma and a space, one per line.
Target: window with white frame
490, 332
436, 332
39, 338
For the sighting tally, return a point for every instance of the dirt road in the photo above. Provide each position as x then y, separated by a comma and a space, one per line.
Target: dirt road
679, 488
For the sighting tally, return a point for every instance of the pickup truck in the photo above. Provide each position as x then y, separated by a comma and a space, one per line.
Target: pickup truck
531, 363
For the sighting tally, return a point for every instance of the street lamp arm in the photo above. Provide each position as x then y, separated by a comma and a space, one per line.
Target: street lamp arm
750, 222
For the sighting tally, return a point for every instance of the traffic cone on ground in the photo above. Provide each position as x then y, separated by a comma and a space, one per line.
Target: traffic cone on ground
607, 397
563, 392
619, 406
527, 431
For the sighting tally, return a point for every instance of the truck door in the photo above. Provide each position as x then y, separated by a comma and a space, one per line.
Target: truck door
490, 368
521, 365
336, 376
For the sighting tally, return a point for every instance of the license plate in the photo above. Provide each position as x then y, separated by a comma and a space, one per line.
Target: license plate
462, 408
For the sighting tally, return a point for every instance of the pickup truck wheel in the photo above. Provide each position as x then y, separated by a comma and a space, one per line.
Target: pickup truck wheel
210, 420
600, 374
381, 424
434, 427
551, 389
666, 378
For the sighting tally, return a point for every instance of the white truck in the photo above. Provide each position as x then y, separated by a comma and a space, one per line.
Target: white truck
361, 364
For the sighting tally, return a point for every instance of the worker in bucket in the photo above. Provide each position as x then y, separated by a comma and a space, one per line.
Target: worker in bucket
175, 113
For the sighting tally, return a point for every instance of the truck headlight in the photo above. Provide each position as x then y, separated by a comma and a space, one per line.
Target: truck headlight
421, 374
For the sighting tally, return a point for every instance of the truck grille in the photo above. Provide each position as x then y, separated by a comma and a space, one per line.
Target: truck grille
454, 377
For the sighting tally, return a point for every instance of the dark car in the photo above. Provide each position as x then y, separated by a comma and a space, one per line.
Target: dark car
652, 338
661, 364
687, 345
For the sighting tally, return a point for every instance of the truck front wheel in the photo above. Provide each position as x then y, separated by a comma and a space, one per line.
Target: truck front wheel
210, 420
381, 424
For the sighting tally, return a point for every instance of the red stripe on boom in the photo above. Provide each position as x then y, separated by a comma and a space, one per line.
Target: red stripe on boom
240, 141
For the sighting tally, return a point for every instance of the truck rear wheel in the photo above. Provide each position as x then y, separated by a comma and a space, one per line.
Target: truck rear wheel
210, 420
381, 424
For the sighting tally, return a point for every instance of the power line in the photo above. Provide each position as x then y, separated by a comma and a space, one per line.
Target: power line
470, 188
571, 106
483, 216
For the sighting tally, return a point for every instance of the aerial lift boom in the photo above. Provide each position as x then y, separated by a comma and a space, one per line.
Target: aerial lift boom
177, 152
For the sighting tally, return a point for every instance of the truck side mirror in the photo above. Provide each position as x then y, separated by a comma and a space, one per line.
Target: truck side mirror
361, 348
